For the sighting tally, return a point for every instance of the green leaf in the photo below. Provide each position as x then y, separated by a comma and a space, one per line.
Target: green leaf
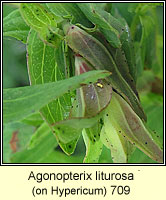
69, 147
69, 10
105, 156
50, 66
36, 16
47, 64
45, 23
144, 29
93, 150
34, 119
153, 105
134, 129
147, 27
71, 128
120, 60
94, 15
121, 148
139, 157
42, 64
127, 47
94, 131
129, 50
23, 101
39, 134
14, 26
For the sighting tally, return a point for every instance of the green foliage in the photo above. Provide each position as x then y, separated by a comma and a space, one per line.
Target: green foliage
69, 11
127, 124
96, 16
93, 150
40, 20
21, 102
14, 26
46, 120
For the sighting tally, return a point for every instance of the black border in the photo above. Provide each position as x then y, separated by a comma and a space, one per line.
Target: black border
83, 164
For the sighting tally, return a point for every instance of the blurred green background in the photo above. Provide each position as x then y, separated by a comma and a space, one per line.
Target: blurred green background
14, 59
150, 86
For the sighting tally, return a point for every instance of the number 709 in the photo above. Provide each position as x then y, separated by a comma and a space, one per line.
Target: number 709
120, 189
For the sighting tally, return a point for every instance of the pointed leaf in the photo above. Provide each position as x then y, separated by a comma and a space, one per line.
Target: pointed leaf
93, 132
120, 60
127, 46
68, 130
134, 129
121, 148
47, 64
39, 134
34, 119
22, 101
69, 147
93, 150
93, 14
